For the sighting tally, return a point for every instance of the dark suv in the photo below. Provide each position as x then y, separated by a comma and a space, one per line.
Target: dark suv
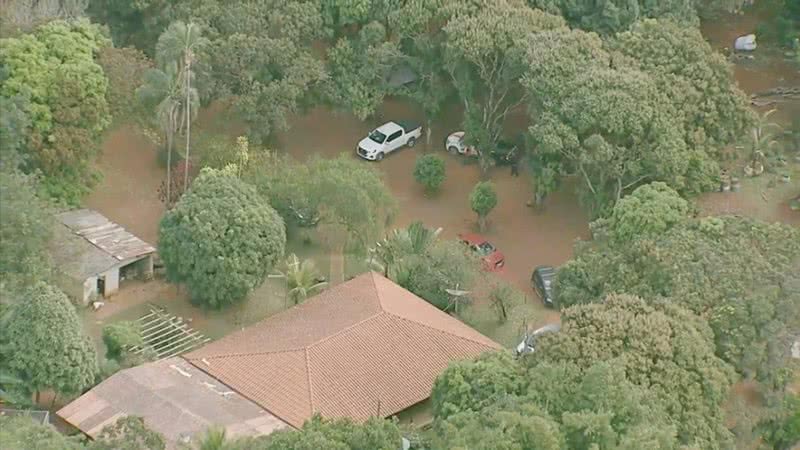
542, 280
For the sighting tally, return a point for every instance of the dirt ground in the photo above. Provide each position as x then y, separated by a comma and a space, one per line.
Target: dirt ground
128, 191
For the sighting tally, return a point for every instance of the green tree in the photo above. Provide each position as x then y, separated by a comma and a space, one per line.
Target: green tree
737, 273
125, 69
260, 55
698, 80
482, 200
14, 123
359, 69
221, 239
339, 192
22, 433
600, 407
302, 278
444, 266
475, 384
128, 433
54, 69
507, 425
618, 15
662, 348
45, 344
26, 227
429, 171
336, 434
649, 211
485, 54
782, 429
135, 24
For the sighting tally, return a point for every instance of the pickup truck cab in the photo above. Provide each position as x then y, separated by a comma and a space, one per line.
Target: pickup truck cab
388, 138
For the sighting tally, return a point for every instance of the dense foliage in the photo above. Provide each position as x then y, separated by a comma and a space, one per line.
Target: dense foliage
341, 193
662, 348
125, 69
54, 69
338, 434
221, 239
26, 226
737, 273
44, 343
653, 104
618, 15
24, 433
429, 171
476, 384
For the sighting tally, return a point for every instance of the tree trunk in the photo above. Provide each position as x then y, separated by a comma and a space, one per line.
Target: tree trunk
36, 396
481, 223
428, 135
188, 63
169, 161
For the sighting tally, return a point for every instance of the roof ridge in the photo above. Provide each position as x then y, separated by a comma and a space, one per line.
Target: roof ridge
310, 385
443, 331
228, 355
346, 329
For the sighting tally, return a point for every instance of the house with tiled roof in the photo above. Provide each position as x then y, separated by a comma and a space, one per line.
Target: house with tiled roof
364, 348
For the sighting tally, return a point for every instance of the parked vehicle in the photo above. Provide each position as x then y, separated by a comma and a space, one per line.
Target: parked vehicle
504, 154
542, 280
491, 257
388, 138
528, 344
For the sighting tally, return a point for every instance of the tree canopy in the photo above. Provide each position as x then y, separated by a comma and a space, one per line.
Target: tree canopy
54, 69
735, 272
662, 348
44, 343
338, 192
221, 239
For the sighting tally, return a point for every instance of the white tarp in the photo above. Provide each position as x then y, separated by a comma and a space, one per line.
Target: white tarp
746, 43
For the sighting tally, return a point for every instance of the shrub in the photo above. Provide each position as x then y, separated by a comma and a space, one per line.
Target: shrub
429, 171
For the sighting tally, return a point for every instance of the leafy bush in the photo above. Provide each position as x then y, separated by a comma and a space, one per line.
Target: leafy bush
483, 199
121, 336
429, 171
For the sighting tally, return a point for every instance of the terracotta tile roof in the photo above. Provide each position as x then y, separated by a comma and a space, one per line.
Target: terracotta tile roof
366, 347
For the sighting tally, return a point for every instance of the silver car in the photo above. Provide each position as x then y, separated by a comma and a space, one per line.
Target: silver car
528, 344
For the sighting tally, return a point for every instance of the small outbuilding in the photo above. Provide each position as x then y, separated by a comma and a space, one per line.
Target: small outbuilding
92, 254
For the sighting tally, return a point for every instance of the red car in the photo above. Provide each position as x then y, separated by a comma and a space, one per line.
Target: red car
492, 258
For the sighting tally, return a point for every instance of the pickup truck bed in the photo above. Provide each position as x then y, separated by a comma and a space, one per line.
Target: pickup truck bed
408, 125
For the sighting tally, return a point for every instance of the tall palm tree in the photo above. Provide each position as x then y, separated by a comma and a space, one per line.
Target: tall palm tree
302, 278
161, 92
181, 43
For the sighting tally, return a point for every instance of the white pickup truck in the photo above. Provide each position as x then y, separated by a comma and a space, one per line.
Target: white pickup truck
388, 138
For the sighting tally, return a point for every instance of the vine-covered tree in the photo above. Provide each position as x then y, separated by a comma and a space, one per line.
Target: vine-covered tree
221, 239
125, 69
44, 343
